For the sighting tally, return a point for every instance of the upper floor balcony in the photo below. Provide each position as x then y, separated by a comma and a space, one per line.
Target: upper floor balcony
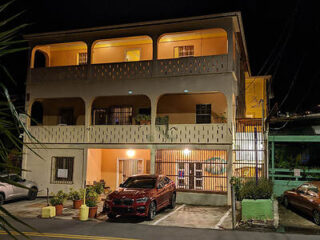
136, 57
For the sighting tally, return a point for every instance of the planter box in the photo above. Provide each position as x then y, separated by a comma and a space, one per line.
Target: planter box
260, 209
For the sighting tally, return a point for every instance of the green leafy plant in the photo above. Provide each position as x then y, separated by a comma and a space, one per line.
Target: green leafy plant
250, 189
76, 195
58, 199
10, 123
97, 187
92, 198
142, 117
236, 183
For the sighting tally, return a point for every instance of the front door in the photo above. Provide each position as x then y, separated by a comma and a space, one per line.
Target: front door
191, 175
129, 167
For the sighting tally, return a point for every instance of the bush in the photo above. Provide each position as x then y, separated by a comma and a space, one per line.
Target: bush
251, 190
58, 199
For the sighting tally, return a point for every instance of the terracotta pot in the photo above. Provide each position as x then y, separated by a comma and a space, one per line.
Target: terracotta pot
59, 209
77, 204
145, 122
93, 212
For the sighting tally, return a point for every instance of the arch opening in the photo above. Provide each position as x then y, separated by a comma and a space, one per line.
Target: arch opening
195, 43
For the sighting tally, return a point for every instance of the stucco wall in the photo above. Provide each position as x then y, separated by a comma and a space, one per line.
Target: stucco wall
94, 165
52, 107
202, 47
181, 108
40, 168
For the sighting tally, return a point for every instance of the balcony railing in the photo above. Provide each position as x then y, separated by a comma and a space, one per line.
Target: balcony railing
131, 70
118, 134
193, 133
57, 134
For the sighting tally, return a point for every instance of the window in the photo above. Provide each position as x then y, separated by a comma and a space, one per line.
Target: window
203, 113
183, 51
133, 55
100, 116
62, 170
120, 115
82, 58
66, 116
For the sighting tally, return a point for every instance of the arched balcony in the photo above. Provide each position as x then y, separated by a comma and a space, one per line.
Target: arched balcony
57, 120
192, 117
59, 54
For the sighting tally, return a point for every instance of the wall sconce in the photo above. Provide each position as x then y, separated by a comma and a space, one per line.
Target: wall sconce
130, 153
186, 151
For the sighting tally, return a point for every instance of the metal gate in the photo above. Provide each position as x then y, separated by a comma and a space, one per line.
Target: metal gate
194, 170
249, 158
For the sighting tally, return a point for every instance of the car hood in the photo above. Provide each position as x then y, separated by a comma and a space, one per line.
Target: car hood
130, 193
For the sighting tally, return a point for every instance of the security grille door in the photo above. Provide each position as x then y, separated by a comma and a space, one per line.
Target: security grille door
191, 176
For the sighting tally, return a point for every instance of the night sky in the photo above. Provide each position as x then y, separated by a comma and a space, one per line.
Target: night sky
281, 35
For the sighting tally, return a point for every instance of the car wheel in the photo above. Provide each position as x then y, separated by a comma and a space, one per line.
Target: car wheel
316, 217
111, 216
286, 202
1, 199
173, 201
152, 211
33, 192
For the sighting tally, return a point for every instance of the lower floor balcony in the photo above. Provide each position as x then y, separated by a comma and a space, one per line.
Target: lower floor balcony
133, 134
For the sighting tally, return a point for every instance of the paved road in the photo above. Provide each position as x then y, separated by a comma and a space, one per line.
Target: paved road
71, 229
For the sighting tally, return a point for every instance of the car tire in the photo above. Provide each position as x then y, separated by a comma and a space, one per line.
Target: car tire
1, 199
286, 202
152, 211
316, 217
33, 193
173, 201
111, 216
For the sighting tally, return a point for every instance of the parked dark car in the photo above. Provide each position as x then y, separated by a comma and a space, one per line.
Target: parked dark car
141, 195
305, 198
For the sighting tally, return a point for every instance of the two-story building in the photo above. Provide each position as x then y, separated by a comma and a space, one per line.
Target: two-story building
152, 97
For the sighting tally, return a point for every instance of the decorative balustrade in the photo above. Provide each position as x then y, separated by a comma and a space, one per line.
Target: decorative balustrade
59, 74
193, 133
119, 134
122, 134
57, 134
132, 70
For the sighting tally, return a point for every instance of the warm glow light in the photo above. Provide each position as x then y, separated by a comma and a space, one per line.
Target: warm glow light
130, 153
186, 151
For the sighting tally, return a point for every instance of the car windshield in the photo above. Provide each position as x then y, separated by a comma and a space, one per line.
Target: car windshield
134, 182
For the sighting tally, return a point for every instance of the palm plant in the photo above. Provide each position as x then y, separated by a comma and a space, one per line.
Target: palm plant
10, 124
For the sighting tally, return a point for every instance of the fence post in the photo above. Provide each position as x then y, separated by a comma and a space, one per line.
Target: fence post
233, 205
256, 152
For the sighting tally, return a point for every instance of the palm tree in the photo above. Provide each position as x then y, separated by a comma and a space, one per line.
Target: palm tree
10, 124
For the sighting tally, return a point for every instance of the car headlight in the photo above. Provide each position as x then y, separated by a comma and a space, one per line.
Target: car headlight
142, 200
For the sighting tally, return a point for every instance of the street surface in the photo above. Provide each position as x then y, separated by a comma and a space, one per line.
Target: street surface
71, 229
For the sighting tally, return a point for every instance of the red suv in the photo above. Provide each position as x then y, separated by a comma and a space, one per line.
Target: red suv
141, 195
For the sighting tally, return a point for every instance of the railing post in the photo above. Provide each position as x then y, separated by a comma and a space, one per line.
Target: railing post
272, 159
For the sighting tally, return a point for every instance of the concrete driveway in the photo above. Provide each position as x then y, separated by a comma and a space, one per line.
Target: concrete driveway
293, 221
182, 216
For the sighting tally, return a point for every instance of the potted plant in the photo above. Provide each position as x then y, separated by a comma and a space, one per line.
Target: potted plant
256, 196
76, 197
92, 201
143, 119
57, 201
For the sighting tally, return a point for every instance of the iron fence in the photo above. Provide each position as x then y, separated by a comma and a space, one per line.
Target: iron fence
194, 170
249, 149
